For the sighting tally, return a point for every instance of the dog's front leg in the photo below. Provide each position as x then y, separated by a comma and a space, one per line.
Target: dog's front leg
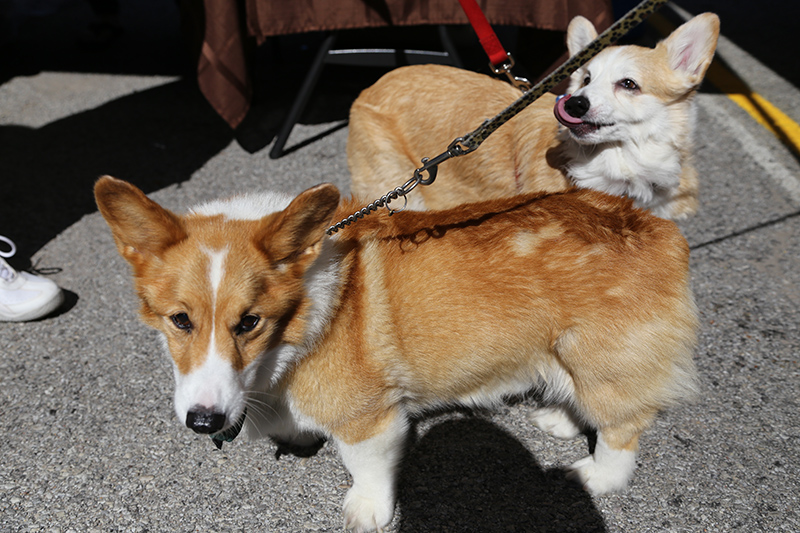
369, 504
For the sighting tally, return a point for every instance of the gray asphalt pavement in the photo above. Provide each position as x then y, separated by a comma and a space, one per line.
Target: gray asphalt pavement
89, 437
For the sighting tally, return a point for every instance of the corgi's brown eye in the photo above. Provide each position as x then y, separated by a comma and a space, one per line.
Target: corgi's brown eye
181, 321
247, 323
628, 84
587, 80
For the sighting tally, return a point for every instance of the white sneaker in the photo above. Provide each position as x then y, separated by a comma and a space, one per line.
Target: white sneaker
24, 296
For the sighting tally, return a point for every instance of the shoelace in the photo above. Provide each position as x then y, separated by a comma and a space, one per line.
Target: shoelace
6, 272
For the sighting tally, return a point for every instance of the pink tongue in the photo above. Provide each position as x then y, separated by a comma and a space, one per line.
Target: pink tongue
561, 114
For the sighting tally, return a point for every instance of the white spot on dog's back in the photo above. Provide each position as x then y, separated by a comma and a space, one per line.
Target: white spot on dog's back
525, 242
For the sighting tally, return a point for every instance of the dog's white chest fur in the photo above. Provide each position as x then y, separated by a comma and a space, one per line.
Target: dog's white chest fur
642, 171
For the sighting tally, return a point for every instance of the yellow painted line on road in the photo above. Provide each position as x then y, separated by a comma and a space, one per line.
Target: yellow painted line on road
758, 107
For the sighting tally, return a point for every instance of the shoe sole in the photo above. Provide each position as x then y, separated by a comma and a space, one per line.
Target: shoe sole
39, 312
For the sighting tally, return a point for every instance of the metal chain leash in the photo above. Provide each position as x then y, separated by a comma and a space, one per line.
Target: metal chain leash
470, 142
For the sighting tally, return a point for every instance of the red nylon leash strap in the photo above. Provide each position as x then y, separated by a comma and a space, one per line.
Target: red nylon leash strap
499, 60
486, 35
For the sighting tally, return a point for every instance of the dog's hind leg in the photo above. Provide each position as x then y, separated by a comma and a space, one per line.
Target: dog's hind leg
557, 421
369, 504
611, 465
621, 382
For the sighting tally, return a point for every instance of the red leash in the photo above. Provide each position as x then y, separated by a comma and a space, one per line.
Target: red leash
486, 36
500, 61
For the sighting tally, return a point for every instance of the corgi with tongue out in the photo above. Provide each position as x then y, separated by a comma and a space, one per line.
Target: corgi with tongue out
624, 127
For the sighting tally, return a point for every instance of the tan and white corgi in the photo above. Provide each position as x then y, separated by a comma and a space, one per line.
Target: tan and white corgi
274, 325
627, 127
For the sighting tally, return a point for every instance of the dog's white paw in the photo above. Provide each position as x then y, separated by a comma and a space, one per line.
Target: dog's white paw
365, 513
609, 474
556, 421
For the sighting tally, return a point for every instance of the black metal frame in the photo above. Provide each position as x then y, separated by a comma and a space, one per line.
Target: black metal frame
367, 57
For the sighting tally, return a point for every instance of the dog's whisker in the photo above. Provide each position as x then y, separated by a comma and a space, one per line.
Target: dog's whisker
263, 409
257, 407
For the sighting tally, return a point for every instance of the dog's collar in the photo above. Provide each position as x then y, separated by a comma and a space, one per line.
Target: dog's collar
229, 434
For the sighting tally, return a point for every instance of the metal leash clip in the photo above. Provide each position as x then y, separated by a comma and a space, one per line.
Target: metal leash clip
431, 166
520, 83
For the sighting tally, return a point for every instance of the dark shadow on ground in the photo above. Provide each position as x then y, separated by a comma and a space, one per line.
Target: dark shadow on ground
152, 138
470, 475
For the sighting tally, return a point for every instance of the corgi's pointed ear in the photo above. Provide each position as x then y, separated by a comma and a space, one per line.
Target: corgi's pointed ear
691, 47
580, 33
302, 224
140, 226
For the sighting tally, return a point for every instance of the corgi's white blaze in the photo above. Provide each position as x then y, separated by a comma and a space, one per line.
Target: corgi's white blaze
634, 152
215, 384
216, 270
212, 385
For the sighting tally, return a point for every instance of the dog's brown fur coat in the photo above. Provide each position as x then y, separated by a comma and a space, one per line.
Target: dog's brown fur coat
576, 289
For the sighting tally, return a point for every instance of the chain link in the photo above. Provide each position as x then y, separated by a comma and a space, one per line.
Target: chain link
383, 201
431, 166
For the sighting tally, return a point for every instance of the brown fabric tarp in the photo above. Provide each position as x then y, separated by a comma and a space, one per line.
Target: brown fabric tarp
222, 72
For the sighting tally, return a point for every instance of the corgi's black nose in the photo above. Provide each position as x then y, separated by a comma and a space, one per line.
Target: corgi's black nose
205, 421
577, 106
